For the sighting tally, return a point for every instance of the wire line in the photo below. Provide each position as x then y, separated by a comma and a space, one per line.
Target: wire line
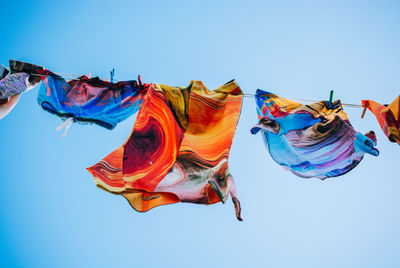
246, 95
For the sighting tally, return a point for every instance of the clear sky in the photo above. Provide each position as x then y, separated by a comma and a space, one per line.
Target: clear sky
53, 215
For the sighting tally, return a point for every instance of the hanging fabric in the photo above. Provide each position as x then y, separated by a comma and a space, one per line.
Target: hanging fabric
388, 117
90, 100
3, 71
178, 150
315, 140
21, 78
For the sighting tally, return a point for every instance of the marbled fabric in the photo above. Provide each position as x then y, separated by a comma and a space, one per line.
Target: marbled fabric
315, 140
90, 100
388, 117
178, 149
21, 77
14, 84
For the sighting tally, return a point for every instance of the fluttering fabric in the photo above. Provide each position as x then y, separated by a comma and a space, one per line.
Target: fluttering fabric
14, 84
90, 100
21, 78
388, 117
3, 71
31, 69
315, 140
178, 149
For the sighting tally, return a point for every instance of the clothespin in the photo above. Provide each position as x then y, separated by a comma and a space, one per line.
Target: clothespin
140, 80
329, 103
112, 77
365, 109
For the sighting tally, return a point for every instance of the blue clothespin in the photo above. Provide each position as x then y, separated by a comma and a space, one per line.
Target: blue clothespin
112, 76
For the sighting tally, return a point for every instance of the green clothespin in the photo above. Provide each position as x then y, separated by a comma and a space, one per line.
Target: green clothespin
331, 96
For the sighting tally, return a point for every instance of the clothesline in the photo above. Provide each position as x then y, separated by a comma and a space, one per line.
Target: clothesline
249, 95
246, 95
68, 76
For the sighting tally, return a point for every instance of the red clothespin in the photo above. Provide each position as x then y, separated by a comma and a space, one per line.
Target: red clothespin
365, 109
140, 80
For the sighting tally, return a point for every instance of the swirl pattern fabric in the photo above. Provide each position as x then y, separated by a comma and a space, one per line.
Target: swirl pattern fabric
90, 100
14, 84
387, 116
21, 78
178, 150
315, 140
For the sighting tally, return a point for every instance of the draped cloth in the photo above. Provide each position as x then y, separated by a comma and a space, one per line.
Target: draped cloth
178, 149
90, 100
315, 140
388, 117
14, 84
21, 78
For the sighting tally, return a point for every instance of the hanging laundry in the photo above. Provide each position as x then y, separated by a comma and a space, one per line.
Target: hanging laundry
14, 84
3, 71
388, 117
21, 78
90, 100
178, 150
315, 140
29, 68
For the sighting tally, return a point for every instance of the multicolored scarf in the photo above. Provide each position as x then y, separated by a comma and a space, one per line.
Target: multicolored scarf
90, 100
315, 140
178, 149
21, 78
388, 117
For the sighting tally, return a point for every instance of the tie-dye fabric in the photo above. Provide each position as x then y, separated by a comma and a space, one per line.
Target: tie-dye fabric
90, 100
388, 117
14, 84
315, 140
21, 78
178, 149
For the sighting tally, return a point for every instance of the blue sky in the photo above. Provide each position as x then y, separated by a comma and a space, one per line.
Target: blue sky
52, 215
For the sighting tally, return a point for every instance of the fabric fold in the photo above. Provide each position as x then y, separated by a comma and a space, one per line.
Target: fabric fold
90, 100
388, 117
315, 140
178, 149
22, 77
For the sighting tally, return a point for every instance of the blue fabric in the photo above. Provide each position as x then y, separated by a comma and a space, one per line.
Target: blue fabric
315, 140
90, 100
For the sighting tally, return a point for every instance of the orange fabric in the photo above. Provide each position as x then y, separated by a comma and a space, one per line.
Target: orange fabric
388, 117
178, 149
143, 201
